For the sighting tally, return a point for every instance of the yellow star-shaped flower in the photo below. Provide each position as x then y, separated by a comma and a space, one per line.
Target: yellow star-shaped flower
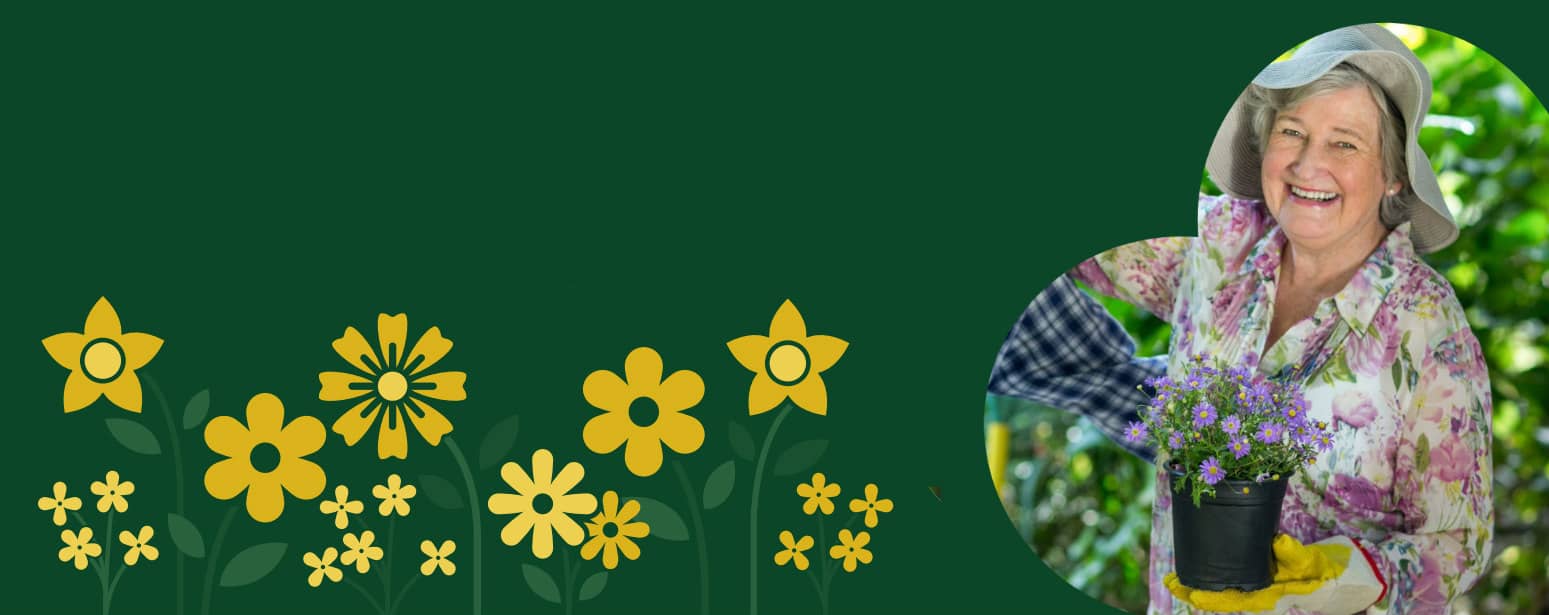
787, 363
102, 360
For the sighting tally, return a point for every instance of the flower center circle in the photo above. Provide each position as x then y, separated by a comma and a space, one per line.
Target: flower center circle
264, 457
542, 503
102, 360
610, 529
787, 363
643, 411
392, 386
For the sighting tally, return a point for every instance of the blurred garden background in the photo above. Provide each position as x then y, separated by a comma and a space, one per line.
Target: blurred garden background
1071, 493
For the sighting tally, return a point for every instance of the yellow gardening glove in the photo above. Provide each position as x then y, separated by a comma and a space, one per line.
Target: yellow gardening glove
1327, 576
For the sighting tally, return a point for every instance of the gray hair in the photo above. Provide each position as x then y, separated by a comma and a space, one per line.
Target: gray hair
1264, 105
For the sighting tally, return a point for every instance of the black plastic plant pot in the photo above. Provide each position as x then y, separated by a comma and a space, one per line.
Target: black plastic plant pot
1227, 542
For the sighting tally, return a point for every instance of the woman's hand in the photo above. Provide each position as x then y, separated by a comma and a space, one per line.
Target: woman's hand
1329, 576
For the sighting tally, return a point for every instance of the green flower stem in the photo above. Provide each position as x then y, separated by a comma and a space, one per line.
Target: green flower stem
827, 564
113, 587
177, 472
392, 607
831, 565
215, 555
107, 565
387, 569
365, 594
817, 588
699, 528
568, 598
758, 481
478, 539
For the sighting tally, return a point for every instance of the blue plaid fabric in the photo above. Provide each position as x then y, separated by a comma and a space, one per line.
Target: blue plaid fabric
1068, 353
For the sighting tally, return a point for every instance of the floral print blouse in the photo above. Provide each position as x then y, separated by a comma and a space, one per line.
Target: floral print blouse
1389, 361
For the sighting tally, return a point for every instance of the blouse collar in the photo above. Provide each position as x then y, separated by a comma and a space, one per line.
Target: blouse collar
1358, 301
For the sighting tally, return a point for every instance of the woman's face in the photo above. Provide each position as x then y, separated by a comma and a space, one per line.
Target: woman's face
1322, 171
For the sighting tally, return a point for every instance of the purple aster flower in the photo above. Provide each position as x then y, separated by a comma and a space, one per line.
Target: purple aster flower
1324, 441
1302, 435
1157, 402
1175, 440
1137, 432
1195, 382
1240, 447
1210, 470
1270, 432
1231, 424
1204, 414
1263, 476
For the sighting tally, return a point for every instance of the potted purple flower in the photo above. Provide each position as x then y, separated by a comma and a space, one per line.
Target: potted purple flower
1230, 438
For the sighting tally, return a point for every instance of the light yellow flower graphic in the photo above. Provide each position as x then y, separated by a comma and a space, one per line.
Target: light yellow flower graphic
851, 549
395, 496
871, 505
360, 551
643, 410
322, 567
60, 503
392, 379
612, 529
78, 547
111, 492
542, 503
341, 507
818, 494
102, 360
139, 545
787, 363
264, 457
794, 550
437, 558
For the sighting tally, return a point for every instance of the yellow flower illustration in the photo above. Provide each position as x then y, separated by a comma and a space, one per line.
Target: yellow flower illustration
60, 503
322, 566
787, 363
794, 550
644, 410
542, 503
871, 505
612, 529
360, 552
78, 547
111, 493
392, 379
818, 494
394, 495
437, 558
102, 360
265, 456
139, 545
341, 507
851, 549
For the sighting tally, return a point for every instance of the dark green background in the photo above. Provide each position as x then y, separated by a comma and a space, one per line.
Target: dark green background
554, 188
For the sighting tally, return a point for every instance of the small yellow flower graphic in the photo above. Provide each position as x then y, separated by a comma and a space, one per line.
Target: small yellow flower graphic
542, 503
794, 550
787, 363
139, 545
437, 558
871, 505
60, 503
391, 377
322, 566
612, 529
644, 410
851, 549
102, 360
341, 507
818, 494
111, 493
360, 551
395, 496
265, 456
78, 547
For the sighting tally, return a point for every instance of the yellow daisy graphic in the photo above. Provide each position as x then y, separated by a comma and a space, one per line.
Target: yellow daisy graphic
102, 360
341, 507
78, 547
818, 493
393, 380
395, 496
787, 363
360, 551
612, 529
60, 503
111, 492
437, 558
794, 550
851, 549
643, 410
871, 505
542, 503
264, 457
139, 545
322, 566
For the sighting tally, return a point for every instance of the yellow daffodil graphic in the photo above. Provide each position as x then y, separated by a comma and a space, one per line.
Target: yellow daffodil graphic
787, 363
102, 360
436, 558
265, 457
110, 492
612, 529
794, 550
341, 507
60, 503
360, 551
643, 411
851, 549
393, 380
871, 505
78, 547
395, 496
139, 545
542, 503
819, 494
322, 567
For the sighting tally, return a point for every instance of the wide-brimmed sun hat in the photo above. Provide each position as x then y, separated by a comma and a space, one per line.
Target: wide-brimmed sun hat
1234, 160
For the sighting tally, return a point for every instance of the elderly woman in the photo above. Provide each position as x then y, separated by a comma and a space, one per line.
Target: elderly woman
1310, 271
